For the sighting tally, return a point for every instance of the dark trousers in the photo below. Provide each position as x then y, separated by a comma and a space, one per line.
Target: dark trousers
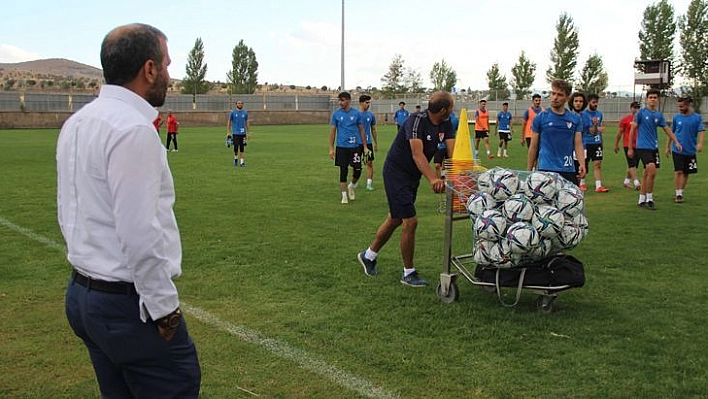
171, 137
130, 358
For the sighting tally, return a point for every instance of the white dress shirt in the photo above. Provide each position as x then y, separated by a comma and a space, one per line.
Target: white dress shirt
115, 197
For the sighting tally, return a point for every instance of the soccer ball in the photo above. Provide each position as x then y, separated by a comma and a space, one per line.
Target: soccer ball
489, 225
570, 201
569, 237
506, 184
548, 220
485, 181
542, 249
522, 237
518, 208
581, 221
541, 186
493, 253
480, 202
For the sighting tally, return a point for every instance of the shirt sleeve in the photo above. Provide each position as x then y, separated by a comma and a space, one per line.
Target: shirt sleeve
701, 126
536, 124
136, 168
662, 121
333, 120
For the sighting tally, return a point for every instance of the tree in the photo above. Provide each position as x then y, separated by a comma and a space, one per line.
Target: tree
413, 81
524, 74
498, 88
656, 36
194, 83
593, 78
243, 75
564, 54
393, 79
693, 61
443, 76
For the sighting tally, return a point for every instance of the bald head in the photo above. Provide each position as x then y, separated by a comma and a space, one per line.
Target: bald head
127, 48
440, 106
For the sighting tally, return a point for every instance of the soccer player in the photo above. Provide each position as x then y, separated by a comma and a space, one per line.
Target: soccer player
557, 132
158, 122
623, 133
481, 128
577, 105
238, 127
690, 132
368, 122
408, 160
441, 153
504, 130
529, 116
592, 141
400, 115
643, 127
345, 129
172, 127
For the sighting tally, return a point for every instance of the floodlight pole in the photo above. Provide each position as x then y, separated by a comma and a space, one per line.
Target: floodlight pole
342, 66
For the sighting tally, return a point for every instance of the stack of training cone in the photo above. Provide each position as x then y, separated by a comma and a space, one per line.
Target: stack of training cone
458, 169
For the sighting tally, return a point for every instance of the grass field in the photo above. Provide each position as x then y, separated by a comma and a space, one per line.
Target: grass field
279, 307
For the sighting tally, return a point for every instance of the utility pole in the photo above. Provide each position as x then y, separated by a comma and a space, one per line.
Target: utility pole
342, 68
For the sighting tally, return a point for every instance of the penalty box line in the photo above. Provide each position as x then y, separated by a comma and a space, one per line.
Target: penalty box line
280, 349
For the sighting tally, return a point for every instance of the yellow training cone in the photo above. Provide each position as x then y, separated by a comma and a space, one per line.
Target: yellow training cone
463, 146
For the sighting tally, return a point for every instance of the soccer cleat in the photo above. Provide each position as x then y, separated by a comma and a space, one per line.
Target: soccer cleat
369, 188
583, 187
602, 190
498, 154
352, 194
368, 265
490, 156
628, 185
344, 200
678, 199
642, 204
506, 155
413, 280
235, 162
650, 206
243, 165
638, 187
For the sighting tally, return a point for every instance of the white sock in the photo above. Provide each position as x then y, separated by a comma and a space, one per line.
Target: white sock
598, 183
368, 182
650, 197
488, 152
678, 192
505, 153
642, 198
344, 195
636, 183
370, 255
582, 181
406, 272
626, 180
353, 185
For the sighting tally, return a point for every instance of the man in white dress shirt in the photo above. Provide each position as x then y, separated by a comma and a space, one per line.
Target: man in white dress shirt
115, 210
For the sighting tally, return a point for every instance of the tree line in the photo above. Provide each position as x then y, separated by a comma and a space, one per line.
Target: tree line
657, 35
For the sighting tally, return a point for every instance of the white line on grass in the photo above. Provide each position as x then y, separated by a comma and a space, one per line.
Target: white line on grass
298, 356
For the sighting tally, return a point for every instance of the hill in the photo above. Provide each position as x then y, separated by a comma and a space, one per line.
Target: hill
52, 67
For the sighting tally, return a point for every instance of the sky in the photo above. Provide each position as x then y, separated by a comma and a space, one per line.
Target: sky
298, 42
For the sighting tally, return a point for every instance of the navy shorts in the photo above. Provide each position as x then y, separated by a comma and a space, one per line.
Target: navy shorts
504, 136
685, 163
480, 134
371, 151
631, 162
593, 152
348, 157
647, 157
401, 191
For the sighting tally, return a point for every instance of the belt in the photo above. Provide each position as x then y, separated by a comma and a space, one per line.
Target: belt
111, 287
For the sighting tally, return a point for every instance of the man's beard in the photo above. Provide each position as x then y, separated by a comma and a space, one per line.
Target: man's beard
158, 91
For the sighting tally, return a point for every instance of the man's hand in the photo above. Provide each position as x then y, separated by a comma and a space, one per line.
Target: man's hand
581, 170
438, 185
166, 333
630, 152
616, 148
331, 153
699, 147
679, 147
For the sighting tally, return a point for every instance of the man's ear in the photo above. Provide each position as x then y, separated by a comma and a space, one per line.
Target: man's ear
150, 71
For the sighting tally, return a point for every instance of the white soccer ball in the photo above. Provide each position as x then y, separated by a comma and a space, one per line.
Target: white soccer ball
480, 202
570, 201
518, 208
489, 225
506, 184
485, 181
581, 221
542, 249
494, 253
542, 186
569, 237
548, 220
522, 237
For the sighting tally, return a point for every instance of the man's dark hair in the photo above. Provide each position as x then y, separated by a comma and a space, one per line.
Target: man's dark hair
593, 96
123, 53
344, 95
438, 104
686, 100
364, 98
562, 85
402, 103
535, 96
654, 91
482, 101
571, 103
635, 104
505, 103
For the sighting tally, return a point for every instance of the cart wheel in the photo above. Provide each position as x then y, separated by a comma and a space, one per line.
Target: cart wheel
453, 293
544, 303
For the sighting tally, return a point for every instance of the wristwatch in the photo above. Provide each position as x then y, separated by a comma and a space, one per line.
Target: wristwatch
171, 321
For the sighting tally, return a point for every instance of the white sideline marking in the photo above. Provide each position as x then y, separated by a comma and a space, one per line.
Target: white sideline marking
298, 356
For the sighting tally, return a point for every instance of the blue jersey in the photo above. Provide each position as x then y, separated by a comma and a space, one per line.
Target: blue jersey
366, 120
556, 140
504, 121
347, 125
455, 122
647, 122
400, 116
399, 160
686, 129
238, 121
589, 138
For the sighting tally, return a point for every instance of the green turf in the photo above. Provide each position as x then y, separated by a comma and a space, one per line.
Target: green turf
270, 250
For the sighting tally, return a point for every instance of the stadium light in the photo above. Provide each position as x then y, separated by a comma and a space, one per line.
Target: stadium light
342, 66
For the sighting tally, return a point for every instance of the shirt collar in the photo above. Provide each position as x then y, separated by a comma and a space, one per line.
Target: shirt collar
120, 93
